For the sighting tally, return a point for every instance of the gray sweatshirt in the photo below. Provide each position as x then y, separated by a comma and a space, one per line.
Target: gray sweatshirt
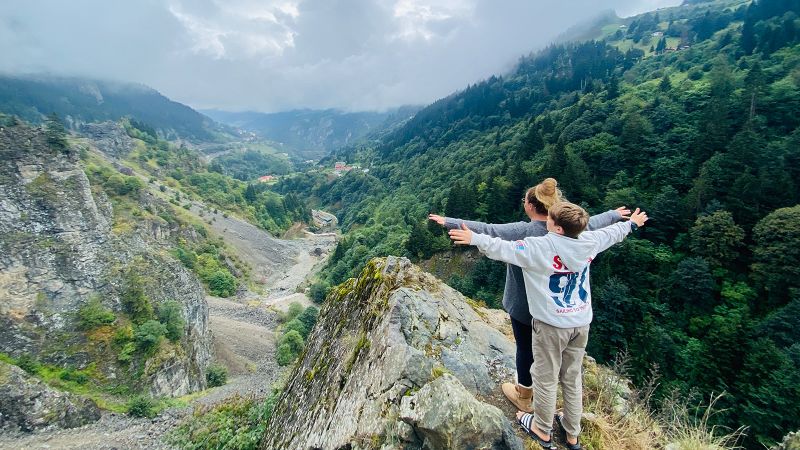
515, 301
555, 270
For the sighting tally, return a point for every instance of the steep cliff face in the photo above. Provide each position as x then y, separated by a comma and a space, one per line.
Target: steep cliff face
58, 250
397, 360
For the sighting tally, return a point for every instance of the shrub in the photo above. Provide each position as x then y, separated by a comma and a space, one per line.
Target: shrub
295, 309
149, 334
133, 185
126, 354
237, 423
296, 325
169, 314
187, 257
136, 304
216, 375
222, 284
309, 319
28, 364
123, 334
201, 230
123, 185
116, 184
285, 355
93, 314
141, 406
294, 340
319, 291
71, 374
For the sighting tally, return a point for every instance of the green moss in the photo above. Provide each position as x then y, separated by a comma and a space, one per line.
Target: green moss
321, 365
375, 441
410, 392
438, 371
43, 187
477, 306
362, 344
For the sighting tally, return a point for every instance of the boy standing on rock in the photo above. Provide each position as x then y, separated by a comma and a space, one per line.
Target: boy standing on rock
556, 273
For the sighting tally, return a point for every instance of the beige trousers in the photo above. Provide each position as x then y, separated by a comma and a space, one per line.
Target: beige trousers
557, 357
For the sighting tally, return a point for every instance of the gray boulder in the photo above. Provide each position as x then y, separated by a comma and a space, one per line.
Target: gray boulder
109, 137
445, 415
389, 347
27, 404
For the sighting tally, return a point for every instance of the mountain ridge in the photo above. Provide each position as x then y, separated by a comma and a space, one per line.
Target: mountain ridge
310, 133
81, 100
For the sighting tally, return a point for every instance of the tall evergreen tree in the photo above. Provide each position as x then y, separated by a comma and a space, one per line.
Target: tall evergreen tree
55, 132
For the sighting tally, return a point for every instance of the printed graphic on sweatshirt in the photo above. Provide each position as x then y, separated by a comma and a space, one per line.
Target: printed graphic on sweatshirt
568, 292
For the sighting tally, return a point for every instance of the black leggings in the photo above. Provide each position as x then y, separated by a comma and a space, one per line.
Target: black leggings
523, 334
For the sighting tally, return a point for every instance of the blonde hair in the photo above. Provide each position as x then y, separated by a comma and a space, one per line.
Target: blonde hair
544, 195
570, 217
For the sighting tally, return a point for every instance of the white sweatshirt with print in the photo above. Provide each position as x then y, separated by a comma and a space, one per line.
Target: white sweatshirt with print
555, 269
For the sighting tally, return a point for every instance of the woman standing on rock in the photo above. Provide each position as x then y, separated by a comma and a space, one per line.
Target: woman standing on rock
537, 201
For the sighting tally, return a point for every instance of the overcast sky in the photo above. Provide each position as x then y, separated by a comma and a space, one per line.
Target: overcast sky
275, 55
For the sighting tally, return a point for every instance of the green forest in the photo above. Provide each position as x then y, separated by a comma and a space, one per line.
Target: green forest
691, 113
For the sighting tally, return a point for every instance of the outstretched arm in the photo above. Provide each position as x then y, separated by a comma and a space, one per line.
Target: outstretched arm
608, 218
610, 235
508, 231
519, 253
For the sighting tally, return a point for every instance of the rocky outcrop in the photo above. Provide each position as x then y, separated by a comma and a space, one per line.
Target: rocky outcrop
110, 137
59, 248
398, 359
27, 404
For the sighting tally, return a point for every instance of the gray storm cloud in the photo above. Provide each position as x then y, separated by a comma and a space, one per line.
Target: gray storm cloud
285, 54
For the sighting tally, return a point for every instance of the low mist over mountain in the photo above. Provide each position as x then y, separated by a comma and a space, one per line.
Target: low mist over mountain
314, 133
82, 100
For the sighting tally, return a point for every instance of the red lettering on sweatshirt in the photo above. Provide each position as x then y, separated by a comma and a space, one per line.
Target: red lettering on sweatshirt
558, 264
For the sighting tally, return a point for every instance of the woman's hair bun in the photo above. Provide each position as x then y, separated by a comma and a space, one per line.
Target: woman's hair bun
547, 187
